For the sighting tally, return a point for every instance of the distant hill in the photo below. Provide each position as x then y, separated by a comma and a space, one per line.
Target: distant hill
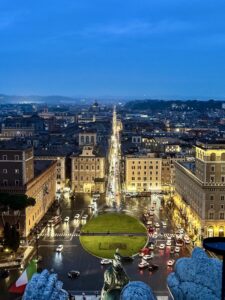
144, 105
42, 99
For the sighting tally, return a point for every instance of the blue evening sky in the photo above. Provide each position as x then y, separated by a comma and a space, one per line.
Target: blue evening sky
136, 48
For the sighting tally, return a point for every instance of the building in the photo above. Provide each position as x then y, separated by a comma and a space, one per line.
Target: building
87, 138
20, 174
143, 173
88, 171
200, 190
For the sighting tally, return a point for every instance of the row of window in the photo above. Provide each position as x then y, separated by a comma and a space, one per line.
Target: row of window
144, 178
87, 167
145, 173
145, 167
213, 168
144, 184
212, 215
222, 197
35, 215
5, 171
212, 178
212, 206
6, 183
5, 157
87, 159
145, 162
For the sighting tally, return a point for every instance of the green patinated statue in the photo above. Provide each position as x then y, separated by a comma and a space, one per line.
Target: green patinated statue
115, 278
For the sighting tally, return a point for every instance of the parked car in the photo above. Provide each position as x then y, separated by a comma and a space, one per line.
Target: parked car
153, 267
177, 249
170, 262
143, 264
164, 224
171, 250
162, 246
59, 248
67, 219
179, 243
106, 261
148, 256
157, 225
77, 216
73, 274
84, 217
127, 258
168, 243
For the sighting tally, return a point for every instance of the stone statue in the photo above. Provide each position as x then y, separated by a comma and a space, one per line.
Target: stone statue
115, 278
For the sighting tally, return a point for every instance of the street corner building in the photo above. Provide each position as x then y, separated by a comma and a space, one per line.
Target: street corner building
21, 174
200, 190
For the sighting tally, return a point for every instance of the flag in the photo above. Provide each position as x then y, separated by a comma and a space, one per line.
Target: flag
20, 285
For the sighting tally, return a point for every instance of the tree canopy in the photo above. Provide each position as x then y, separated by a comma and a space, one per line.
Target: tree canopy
15, 201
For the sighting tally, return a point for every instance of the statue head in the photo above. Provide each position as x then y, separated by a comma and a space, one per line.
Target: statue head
117, 261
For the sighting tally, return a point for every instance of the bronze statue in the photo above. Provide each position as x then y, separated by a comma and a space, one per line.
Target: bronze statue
115, 278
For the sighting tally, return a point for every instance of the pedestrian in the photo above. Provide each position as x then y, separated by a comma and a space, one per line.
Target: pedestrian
96, 293
84, 297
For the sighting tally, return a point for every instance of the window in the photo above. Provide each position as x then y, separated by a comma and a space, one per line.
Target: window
81, 167
222, 197
17, 182
212, 178
17, 171
98, 167
133, 178
211, 216
5, 182
211, 197
144, 178
16, 157
4, 157
211, 206
87, 167
5, 171
221, 216
212, 168
222, 178
222, 206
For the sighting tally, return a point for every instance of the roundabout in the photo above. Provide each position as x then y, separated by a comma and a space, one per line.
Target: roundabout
103, 234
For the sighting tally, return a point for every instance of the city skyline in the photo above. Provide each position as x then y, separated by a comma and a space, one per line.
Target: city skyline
93, 49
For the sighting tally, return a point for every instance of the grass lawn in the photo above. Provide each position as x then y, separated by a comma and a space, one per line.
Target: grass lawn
114, 222
105, 246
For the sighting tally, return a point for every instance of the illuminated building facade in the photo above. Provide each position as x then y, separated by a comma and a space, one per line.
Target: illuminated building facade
200, 188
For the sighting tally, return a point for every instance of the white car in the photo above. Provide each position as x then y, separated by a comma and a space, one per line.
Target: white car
164, 224
187, 241
162, 246
147, 256
168, 243
177, 249
143, 264
169, 238
85, 217
157, 225
106, 261
170, 262
66, 219
59, 248
77, 216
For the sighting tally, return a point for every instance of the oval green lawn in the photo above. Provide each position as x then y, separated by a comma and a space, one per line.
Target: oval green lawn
103, 245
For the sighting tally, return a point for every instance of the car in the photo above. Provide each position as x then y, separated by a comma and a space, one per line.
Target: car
155, 235
4, 273
59, 248
168, 243
148, 256
179, 243
181, 231
162, 246
151, 213
73, 274
106, 261
77, 216
187, 241
164, 224
157, 225
153, 267
143, 264
89, 205
177, 249
84, 217
170, 262
149, 222
151, 247
67, 219
152, 208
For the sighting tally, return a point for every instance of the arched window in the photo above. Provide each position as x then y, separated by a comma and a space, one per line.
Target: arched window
213, 156
210, 231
